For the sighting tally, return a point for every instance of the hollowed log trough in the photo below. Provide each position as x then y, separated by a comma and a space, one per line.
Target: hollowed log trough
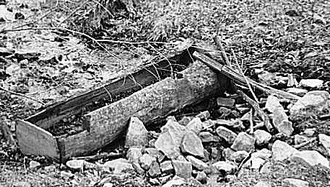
156, 94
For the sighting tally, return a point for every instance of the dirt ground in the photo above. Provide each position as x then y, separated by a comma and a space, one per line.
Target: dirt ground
63, 48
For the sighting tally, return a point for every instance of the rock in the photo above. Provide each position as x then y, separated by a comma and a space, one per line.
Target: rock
226, 102
281, 122
182, 168
282, 150
257, 163
176, 181
154, 181
298, 139
263, 153
21, 184
313, 100
146, 160
325, 141
215, 153
295, 182
262, 137
34, 164
309, 132
75, 164
196, 163
243, 142
117, 166
66, 174
310, 158
227, 153
228, 135
266, 168
133, 154
205, 115
185, 120
155, 153
137, 134
195, 125
154, 169
207, 137
239, 156
297, 91
272, 103
311, 83
227, 167
166, 166
201, 177
108, 184
191, 144
170, 139
164, 179
263, 184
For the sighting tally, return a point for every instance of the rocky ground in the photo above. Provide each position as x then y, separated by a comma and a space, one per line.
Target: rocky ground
55, 50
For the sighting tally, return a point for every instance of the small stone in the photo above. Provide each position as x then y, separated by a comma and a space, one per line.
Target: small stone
243, 142
272, 103
117, 166
313, 100
108, 184
34, 164
154, 169
215, 153
191, 144
66, 174
196, 163
207, 137
185, 120
325, 141
298, 139
227, 153
75, 164
263, 153
310, 158
154, 181
262, 137
282, 150
176, 181
228, 135
309, 132
281, 122
257, 163
195, 125
227, 167
263, 184
182, 168
297, 91
201, 177
295, 182
137, 134
311, 83
205, 115
226, 102
146, 160
164, 179
155, 153
239, 156
21, 184
266, 168
133, 154
166, 166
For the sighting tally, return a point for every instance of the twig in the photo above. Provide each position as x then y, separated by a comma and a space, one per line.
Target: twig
21, 95
218, 42
251, 121
305, 143
110, 155
132, 43
243, 162
256, 107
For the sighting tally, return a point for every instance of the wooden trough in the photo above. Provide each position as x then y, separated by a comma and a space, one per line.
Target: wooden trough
150, 94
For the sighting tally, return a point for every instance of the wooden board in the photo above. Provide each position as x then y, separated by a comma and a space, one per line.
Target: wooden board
136, 81
149, 104
35, 140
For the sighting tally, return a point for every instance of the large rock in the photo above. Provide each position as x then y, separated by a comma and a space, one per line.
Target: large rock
228, 167
310, 158
170, 139
295, 182
282, 150
262, 137
243, 142
313, 100
118, 165
182, 168
325, 141
228, 135
196, 163
137, 134
195, 125
191, 144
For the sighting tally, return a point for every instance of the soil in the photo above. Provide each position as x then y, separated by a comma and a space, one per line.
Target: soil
64, 48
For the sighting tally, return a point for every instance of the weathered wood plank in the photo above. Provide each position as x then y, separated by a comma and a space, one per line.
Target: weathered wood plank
149, 104
35, 140
136, 81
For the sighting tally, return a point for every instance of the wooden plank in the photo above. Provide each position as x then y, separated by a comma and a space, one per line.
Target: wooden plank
151, 103
33, 140
136, 81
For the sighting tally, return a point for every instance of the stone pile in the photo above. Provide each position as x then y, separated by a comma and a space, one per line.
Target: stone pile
206, 151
